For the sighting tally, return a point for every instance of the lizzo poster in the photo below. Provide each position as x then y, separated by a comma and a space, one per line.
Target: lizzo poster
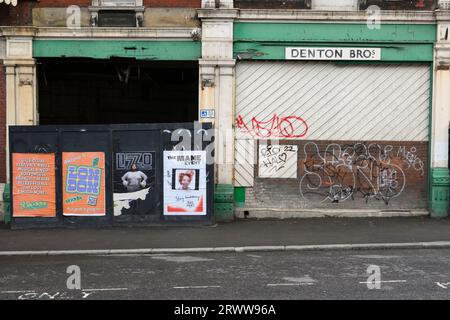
134, 182
184, 183
83, 183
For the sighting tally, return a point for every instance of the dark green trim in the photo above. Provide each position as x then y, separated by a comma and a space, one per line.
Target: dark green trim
105, 49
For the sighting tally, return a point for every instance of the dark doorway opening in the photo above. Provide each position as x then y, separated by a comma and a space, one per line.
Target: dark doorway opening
88, 91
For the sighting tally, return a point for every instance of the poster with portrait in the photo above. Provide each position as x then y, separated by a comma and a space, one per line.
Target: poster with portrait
185, 183
84, 184
134, 182
34, 190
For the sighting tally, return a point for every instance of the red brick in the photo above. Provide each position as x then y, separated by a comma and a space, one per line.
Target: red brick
359, 164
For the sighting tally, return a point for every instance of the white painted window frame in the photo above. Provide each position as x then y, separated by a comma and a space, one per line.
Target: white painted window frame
112, 5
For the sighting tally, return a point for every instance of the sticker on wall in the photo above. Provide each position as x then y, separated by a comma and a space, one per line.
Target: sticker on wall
84, 184
207, 113
134, 181
278, 161
184, 183
34, 191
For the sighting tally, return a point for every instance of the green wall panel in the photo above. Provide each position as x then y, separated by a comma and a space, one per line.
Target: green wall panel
399, 42
265, 51
105, 49
334, 32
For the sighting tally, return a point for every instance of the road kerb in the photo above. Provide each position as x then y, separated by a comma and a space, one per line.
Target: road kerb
242, 249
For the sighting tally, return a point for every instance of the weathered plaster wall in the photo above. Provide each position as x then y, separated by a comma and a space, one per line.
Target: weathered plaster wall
153, 17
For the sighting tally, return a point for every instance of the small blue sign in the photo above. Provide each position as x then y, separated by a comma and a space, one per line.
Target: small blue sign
207, 113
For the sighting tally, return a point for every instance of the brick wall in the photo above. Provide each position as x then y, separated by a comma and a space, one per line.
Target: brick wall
2, 123
400, 5
349, 175
16, 16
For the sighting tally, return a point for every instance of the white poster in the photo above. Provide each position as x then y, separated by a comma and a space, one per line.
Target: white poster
185, 183
278, 161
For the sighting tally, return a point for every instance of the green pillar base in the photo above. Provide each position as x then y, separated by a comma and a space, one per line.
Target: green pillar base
7, 203
440, 185
239, 197
224, 203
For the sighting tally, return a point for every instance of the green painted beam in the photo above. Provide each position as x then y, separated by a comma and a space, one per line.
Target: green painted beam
105, 49
334, 32
276, 51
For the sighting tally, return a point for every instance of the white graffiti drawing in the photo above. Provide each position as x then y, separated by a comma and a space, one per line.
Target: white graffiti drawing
411, 159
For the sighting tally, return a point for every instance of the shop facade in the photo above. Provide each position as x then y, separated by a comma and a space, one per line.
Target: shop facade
76, 70
315, 114
335, 116
348, 108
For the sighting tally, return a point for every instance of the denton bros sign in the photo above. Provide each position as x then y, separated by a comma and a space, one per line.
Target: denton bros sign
305, 53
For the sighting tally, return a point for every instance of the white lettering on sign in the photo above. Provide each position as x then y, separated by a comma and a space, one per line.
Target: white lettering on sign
305, 53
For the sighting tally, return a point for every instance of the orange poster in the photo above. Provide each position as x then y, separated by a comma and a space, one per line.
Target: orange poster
34, 191
83, 183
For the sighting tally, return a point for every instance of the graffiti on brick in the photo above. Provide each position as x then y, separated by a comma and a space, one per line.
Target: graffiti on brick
367, 170
288, 127
411, 159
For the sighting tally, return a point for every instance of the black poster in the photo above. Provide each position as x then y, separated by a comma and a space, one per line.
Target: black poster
134, 182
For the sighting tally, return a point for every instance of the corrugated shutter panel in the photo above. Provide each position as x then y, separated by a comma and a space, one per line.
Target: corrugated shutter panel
337, 101
244, 163
351, 102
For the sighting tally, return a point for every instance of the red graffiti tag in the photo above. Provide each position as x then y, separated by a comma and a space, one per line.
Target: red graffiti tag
420, 3
276, 127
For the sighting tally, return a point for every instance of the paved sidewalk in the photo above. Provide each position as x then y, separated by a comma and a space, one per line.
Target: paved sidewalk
243, 233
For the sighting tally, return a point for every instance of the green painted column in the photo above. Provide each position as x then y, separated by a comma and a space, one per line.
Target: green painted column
7, 203
224, 203
239, 197
440, 185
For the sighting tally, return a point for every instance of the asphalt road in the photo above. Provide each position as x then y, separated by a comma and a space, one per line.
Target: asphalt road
405, 274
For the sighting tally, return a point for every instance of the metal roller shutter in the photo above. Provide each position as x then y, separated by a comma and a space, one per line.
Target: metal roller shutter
358, 102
